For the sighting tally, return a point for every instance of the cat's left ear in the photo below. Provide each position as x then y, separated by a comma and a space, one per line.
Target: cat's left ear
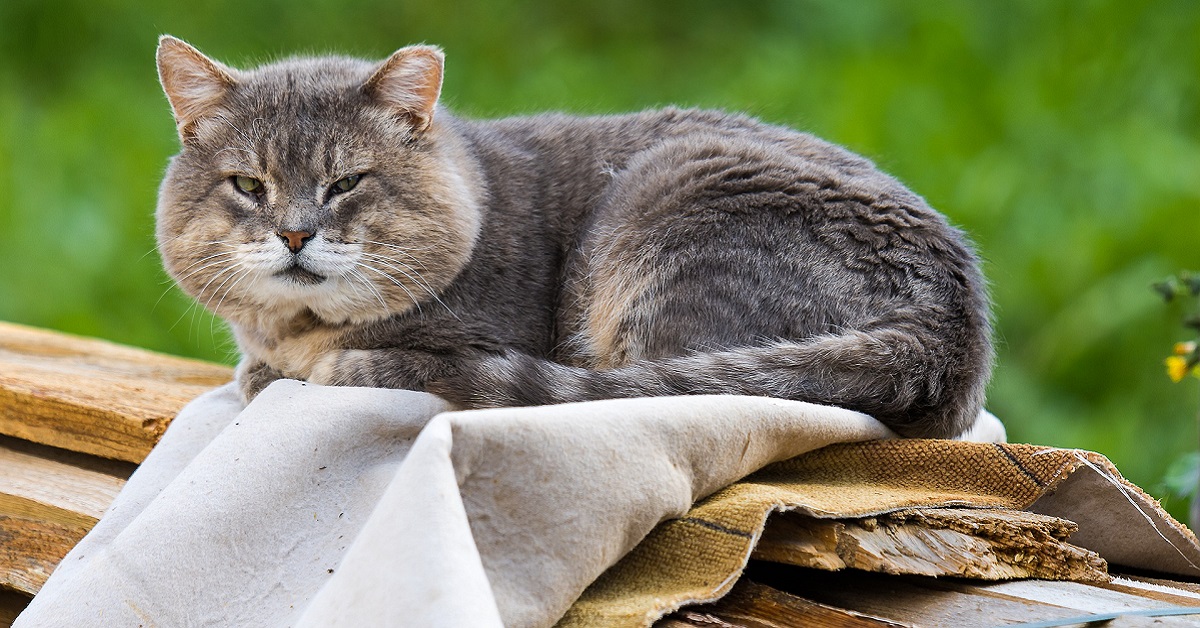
409, 83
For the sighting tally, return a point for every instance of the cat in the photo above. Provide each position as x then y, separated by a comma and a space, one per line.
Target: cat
351, 231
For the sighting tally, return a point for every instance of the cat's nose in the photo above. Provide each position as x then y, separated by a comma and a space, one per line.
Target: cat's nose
295, 240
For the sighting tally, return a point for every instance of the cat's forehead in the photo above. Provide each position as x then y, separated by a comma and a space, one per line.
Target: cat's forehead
301, 87
294, 111
309, 74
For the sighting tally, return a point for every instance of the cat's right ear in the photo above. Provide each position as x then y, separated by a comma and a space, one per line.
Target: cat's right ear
195, 85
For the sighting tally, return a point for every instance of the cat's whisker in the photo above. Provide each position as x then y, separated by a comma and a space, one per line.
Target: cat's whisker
191, 306
418, 279
430, 246
217, 290
184, 274
181, 236
200, 292
393, 280
398, 249
370, 288
237, 278
160, 297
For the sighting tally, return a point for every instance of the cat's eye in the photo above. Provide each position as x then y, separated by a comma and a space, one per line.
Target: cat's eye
249, 185
345, 185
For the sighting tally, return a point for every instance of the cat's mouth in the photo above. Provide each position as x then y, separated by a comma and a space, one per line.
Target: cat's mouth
300, 275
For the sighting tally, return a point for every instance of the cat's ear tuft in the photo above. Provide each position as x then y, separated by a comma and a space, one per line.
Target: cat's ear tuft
409, 83
195, 85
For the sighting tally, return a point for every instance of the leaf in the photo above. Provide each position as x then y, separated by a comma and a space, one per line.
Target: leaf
1165, 289
1182, 476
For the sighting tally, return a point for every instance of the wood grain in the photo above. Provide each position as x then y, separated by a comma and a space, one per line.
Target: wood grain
48, 500
986, 544
93, 396
953, 603
753, 605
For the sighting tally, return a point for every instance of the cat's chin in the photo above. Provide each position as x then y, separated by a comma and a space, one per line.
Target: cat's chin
296, 274
277, 298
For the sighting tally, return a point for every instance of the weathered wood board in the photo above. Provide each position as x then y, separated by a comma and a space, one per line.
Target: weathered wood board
949, 602
93, 396
49, 499
752, 605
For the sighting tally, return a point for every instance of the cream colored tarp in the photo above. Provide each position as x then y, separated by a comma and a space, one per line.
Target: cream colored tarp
356, 507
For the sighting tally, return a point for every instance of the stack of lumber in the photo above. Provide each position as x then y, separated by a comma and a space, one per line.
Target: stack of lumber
77, 415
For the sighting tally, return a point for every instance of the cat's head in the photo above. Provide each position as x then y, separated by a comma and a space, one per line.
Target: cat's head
328, 184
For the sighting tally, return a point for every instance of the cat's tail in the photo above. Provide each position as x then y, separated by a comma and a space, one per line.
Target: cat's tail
918, 389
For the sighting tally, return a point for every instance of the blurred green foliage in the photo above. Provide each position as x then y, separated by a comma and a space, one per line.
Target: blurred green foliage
1063, 135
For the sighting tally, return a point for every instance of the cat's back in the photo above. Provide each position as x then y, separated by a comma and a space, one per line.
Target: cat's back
713, 252
630, 132
566, 163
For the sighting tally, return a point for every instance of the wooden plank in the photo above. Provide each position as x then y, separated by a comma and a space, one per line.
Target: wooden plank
753, 605
916, 600
990, 544
93, 396
953, 603
31, 550
1076, 595
48, 500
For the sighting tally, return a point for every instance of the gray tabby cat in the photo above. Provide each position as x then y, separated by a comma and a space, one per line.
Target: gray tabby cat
353, 232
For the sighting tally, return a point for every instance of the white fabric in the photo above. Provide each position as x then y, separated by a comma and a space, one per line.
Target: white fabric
318, 506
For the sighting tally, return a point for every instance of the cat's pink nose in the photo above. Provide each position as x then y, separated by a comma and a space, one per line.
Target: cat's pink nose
295, 240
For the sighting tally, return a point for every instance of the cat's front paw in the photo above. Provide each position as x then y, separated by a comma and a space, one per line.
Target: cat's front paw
252, 377
343, 367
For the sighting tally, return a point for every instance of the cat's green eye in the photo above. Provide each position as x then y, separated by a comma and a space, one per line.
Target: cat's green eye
249, 185
345, 185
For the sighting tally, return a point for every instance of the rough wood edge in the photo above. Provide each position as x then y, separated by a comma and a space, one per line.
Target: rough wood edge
991, 544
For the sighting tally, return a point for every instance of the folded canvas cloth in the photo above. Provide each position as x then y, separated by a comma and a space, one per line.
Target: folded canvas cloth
322, 506
692, 558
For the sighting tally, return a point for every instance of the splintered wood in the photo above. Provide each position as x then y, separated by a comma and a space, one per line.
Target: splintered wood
93, 396
969, 543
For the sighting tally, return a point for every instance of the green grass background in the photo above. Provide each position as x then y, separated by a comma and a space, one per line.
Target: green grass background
1062, 135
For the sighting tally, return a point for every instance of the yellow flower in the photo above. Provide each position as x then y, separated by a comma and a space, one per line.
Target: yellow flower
1184, 348
1177, 367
